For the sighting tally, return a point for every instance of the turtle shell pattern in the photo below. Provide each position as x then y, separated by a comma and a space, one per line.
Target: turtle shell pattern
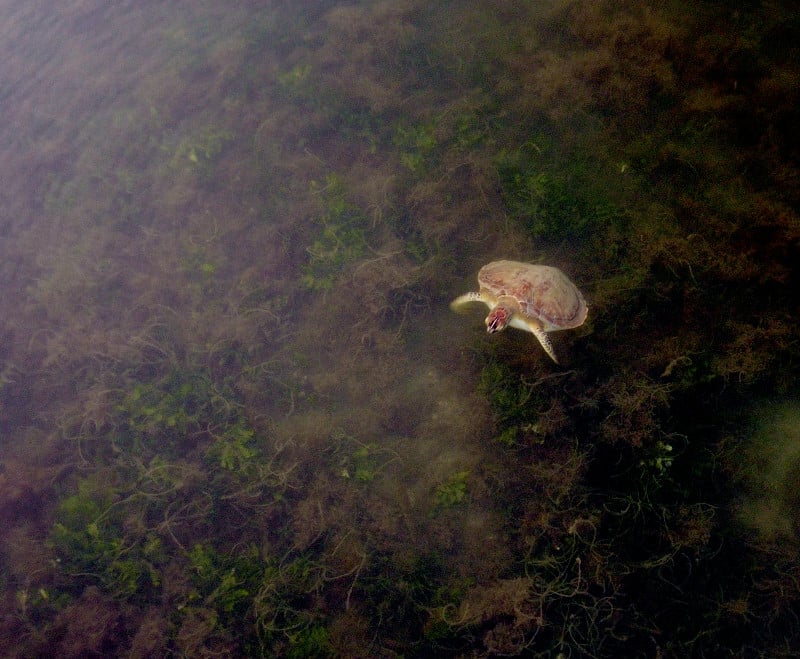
544, 293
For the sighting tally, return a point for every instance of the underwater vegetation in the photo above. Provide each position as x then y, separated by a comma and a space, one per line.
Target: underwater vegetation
340, 241
554, 203
198, 153
236, 416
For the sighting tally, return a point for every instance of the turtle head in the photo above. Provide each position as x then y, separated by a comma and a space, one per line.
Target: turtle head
498, 319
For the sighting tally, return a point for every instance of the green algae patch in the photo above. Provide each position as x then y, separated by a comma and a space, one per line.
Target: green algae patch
340, 239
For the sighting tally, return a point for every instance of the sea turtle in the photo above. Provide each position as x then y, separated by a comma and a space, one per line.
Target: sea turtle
535, 298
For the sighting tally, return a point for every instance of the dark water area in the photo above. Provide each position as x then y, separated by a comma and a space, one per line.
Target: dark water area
238, 418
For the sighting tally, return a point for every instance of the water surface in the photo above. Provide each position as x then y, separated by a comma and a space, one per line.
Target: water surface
237, 417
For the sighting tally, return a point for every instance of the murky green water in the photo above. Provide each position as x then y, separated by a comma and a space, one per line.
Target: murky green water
237, 417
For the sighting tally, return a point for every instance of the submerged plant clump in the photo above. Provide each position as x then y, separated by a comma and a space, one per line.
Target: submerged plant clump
453, 491
553, 202
340, 241
416, 145
198, 153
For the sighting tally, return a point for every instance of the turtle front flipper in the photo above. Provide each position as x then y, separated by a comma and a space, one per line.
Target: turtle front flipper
460, 303
540, 334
